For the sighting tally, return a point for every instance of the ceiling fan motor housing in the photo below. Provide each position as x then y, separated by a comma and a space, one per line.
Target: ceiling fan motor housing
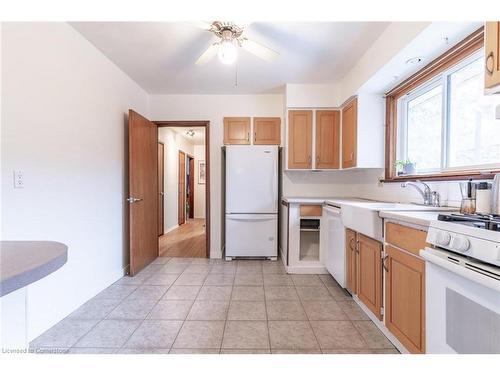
226, 30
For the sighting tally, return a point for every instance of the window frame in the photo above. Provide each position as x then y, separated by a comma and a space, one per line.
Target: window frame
452, 60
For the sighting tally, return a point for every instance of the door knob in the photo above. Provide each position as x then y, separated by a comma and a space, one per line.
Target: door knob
133, 200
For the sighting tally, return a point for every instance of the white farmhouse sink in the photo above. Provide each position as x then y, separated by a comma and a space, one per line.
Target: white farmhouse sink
363, 217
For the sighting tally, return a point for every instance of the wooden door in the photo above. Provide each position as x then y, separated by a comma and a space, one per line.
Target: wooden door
182, 189
143, 191
327, 139
350, 249
236, 130
349, 134
161, 187
369, 274
492, 51
405, 298
299, 139
191, 188
266, 131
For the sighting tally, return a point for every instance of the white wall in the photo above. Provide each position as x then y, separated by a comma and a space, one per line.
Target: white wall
214, 108
64, 114
174, 143
199, 189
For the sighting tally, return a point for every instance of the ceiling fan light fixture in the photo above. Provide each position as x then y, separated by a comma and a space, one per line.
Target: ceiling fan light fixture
227, 52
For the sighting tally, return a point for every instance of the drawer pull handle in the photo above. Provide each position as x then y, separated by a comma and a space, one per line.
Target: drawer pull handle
488, 58
383, 263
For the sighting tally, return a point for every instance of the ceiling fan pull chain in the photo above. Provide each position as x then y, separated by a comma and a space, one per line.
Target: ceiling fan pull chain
236, 76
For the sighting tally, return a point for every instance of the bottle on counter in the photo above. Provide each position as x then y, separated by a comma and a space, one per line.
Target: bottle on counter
483, 198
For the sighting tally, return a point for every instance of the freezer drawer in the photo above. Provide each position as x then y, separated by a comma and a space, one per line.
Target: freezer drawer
251, 235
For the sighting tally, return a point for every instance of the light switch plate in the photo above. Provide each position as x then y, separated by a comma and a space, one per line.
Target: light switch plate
18, 179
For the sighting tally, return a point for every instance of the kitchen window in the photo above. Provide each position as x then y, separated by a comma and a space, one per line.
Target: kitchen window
440, 121
448, 123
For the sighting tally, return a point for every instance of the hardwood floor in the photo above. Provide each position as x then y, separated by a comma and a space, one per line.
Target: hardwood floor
188, 240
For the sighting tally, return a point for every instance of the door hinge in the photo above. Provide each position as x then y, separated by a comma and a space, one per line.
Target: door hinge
381, 311
382, 254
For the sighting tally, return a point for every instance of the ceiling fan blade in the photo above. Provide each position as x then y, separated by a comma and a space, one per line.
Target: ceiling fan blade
209, 53
202, 25
259, 50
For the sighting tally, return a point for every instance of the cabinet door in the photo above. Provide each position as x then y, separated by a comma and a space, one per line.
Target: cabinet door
405, 298
349, 134
370, 274
327, 139
300, 139
350, 249
236, 130
266, 131
492, 50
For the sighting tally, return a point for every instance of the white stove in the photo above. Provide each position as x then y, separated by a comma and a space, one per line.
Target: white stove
463, 284
456, 234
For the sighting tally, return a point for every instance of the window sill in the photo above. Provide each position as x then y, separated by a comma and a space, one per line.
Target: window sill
474, 175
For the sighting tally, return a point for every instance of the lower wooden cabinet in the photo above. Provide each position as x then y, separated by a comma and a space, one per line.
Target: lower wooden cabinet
405, 298
369, 280
350, 249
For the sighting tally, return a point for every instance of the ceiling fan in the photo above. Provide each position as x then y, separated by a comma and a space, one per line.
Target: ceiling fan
230, 38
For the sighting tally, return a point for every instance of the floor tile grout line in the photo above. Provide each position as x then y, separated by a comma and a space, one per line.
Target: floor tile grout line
227, 316
184, 322
309, 322
144, 319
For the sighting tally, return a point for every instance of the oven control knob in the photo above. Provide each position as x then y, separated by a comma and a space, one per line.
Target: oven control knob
460, 243
442, 238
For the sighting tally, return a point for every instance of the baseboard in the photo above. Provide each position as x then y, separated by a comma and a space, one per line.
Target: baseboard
306, 270
380, 325
171, 229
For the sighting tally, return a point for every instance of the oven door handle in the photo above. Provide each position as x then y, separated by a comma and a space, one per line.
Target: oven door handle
460, 270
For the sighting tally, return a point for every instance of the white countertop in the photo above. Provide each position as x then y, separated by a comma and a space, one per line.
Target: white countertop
324, 200
414, 217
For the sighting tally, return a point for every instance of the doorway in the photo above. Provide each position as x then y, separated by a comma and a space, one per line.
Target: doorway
186, 194
147, 190
161, 188
190, 186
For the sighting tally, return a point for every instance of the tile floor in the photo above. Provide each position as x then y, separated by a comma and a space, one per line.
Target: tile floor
196, 305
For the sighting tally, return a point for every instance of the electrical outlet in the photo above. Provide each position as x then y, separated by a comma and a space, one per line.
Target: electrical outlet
18, 179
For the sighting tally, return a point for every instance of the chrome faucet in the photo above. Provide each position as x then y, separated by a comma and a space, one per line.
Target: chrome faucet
431, 198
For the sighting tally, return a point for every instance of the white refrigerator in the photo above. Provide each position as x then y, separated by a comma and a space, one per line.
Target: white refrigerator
251, 201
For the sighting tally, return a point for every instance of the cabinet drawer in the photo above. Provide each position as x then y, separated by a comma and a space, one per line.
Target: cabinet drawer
409, 239
310, 210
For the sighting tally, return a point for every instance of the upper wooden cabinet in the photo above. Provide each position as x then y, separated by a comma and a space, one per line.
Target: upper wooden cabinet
327, 139
300, 139
369, 274
266, 131
405, 298
349, 134
492, 57
236, 130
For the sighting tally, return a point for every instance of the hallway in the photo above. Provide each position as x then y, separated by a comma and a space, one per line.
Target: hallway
187, 241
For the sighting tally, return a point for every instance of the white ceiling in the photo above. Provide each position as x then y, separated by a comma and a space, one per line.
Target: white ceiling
160, 56
197, 139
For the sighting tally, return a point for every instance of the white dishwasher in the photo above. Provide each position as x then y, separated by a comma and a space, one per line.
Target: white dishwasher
334, 236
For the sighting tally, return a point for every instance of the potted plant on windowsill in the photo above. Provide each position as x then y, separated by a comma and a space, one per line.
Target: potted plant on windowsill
405, 167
